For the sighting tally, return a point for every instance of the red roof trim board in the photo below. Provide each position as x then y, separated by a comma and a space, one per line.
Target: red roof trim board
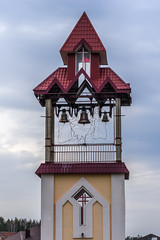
60, 77
82, 42
85, 168
81, 71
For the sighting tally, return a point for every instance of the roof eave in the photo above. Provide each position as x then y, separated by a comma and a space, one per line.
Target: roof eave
83, 168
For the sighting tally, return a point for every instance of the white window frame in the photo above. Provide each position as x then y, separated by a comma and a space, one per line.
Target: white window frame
76, 62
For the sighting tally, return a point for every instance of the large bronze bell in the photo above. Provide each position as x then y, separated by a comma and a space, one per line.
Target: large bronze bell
84, 117
64, 118
105, 117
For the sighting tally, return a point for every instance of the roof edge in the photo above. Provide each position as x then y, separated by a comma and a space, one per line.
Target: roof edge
83, 168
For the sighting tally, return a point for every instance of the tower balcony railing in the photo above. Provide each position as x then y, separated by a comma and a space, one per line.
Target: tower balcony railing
79, 153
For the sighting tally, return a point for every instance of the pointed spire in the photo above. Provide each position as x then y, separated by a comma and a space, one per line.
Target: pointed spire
83, 33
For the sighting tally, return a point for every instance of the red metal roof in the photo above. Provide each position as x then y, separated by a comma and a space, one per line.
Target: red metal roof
34, 234
5, 235
60, 78
85, 168
83, 32
108, 75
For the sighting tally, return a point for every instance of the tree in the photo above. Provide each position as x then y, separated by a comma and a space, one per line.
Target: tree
2, 224
16, 225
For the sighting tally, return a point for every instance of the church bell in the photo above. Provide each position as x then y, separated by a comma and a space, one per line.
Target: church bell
64, 117
105, 117
84, 117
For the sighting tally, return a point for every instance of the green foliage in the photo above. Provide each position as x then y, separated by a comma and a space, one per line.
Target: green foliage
16, 225
2, 223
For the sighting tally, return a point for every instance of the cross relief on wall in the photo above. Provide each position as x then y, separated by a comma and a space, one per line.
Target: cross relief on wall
82, 197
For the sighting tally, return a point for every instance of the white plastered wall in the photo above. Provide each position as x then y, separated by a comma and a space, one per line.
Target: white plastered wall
118, 206
47, 198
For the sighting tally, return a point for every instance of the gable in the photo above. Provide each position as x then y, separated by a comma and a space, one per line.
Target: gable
87, 229
107, 82
83, 32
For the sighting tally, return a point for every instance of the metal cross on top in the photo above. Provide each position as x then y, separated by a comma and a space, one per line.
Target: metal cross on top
82, 197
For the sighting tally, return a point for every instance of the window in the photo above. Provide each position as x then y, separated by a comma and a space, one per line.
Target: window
83, 58
82, 197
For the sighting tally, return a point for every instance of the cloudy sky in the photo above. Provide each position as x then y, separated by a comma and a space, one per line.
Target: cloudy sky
31, 34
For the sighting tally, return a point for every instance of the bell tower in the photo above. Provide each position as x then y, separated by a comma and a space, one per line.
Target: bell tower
82, 181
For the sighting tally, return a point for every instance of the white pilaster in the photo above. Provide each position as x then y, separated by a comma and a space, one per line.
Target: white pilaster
47, 198
118, 207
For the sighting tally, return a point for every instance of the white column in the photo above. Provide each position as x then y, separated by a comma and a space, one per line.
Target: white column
118, 207
47, 209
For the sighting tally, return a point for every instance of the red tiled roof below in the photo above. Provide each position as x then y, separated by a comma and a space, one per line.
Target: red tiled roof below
34, 234
60, 77
107, 74
5, 235
85, 168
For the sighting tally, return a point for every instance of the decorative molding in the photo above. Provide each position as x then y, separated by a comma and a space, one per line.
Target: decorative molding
86, 229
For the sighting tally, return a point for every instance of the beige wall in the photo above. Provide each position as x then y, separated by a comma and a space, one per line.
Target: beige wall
97, 221
101, 182
67, 221
62, 184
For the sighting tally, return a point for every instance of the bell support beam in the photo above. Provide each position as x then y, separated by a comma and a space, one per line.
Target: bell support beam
118, 130
52, 132
48, 132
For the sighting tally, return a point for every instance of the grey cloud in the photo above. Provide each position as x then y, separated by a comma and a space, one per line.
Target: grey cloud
18, 184
31, 37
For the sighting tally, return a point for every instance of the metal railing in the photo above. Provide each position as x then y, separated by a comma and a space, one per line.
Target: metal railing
83, 153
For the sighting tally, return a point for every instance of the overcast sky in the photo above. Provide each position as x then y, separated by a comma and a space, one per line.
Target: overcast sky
31, 34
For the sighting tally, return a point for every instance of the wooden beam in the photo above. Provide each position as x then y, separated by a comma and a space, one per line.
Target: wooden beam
48, 132
118, 130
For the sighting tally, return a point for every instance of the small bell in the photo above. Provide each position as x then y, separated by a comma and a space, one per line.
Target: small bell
84, 117
64, 117
105, 117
